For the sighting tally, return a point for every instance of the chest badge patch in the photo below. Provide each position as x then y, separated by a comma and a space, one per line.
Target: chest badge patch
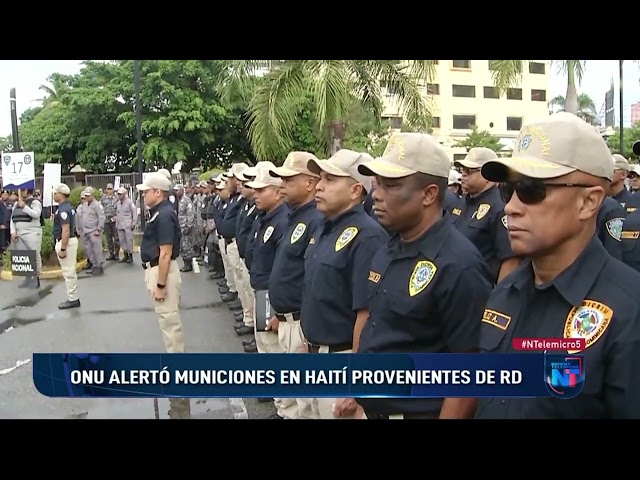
267, 234
504, 221
345, 238
483, 209
588, 321
614, 227
298, 232
421, 277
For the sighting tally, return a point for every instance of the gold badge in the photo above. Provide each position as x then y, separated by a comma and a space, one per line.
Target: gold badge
345, 238
631, 209
483, 209
456, 211
298, 232
589, 321
504, 221
374, 276
496, 319
267, 234
422, 275
630, 235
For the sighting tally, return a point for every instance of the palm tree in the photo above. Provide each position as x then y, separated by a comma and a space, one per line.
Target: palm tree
507, 73
54, 91
276, 97
586, 107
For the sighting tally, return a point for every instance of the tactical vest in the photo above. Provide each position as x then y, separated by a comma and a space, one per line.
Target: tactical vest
19, 215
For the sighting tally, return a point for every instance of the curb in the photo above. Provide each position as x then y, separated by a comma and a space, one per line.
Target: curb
47, 275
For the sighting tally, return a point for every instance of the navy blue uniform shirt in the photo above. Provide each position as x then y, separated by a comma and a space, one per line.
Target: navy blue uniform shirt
287, 275
482, 220
427, 297
337, 265
228, 226
65, 215
597, 298
451, 202
251, 239
267, 237
162, 228
630, 240
609, 226
243, 207
623, 197
172, 196
219, 214
243, 235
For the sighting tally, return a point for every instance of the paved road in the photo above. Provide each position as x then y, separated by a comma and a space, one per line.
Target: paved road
115, 317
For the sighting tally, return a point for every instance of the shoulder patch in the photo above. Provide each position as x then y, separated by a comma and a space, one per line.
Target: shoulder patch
63, 215
614, 227
345, 237
267, 234
504, 221
298, 232
172, 198
374, 276
456, 211
421, 277
588, 321
496, 319
483, 209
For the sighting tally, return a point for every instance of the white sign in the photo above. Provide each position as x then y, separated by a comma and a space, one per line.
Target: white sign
18, 171
144, 175
116, 183
52, 177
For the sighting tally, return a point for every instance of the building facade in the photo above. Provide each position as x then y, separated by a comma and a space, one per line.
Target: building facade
635, 113
462, 95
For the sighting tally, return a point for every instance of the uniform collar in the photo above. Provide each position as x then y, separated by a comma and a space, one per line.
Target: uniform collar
429, 244
274, 212
492, 191
158, 206
575, 282
300, 210
344, 217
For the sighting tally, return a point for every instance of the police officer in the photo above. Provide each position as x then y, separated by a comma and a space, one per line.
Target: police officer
287, 275
568, 287
619, 190
335, 301
109, 202
172, 196
630, 240
480, 215
125, 223
429, 283
159, 250
81, 238
452, 193
216, 268
93, 220
26, 231
66, 247
226, 285
186, 218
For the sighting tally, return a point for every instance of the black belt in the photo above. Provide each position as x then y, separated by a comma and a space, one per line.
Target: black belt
151, 264
405, 416
283, 317
332, 348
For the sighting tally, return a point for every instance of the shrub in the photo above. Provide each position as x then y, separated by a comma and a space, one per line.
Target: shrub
74, 198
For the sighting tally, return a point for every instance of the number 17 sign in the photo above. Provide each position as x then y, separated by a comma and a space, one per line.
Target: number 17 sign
18, 171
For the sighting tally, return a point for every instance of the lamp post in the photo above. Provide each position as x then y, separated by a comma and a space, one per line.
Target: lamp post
14, 120
136, 86
621, 111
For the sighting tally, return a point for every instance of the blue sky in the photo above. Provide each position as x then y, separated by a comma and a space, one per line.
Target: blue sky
26, 76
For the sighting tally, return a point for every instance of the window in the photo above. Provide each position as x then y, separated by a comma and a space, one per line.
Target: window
459, 156
464, 122
514, 93
539, 95
396, 122
491, 92
537, 68
462, 64
468, 91
433, 89
514, 123
435, 122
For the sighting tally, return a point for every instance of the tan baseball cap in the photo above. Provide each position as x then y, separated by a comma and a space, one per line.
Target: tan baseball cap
620, 163
237, 169
407, 154
62, 188
476, 158
155, 181
558, 145
296, 163
454, 177
122, 190
264, 179
110, 185
344, 163
251, 172
166, 173
83, 194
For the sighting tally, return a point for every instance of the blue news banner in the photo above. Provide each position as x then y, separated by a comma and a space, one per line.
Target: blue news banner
321, 375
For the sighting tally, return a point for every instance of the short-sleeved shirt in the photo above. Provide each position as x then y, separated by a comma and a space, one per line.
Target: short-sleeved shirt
623, 197
162, 228
65, 215
267, 236
609, 226
630, 240
337, 265
427, 297
482, 220
596, 298
287, 275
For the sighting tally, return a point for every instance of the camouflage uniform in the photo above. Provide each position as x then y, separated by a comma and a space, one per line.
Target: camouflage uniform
186, 219
110, 207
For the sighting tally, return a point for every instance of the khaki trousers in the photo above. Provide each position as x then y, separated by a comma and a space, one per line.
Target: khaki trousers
241, 279
68, 267
228, 269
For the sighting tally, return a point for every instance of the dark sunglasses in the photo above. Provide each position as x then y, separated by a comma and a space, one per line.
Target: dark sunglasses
531, 192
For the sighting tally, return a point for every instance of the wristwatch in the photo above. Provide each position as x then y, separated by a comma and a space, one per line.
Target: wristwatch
160, 286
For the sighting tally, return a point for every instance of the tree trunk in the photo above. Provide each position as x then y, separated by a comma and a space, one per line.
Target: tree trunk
571, 98
337, 136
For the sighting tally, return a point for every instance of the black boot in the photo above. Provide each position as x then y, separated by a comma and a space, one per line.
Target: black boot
129, 257
30, 282
187, 267
112, 257
69, 304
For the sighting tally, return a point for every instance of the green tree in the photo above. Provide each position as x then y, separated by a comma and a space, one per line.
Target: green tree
480, 138
631, 135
